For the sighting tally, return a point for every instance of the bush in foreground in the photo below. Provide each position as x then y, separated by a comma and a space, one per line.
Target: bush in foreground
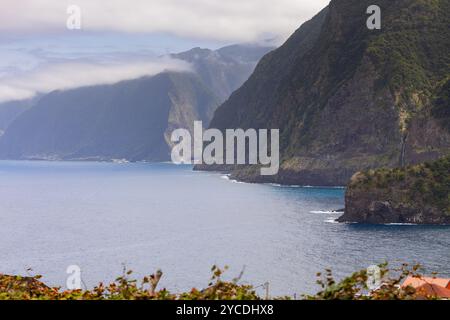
354, 287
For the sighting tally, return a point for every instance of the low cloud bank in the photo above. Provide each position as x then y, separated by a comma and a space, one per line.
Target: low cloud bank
73, 74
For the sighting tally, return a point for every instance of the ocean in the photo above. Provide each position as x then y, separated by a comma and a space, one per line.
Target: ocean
107, 217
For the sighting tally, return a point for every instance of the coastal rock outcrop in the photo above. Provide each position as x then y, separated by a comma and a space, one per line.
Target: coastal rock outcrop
413, 195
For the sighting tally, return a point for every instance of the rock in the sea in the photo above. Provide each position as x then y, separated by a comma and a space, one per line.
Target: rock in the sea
412, 195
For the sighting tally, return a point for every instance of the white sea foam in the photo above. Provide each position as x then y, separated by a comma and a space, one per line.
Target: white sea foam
401, 224
227, 177
276, 185
326, 212
331, 220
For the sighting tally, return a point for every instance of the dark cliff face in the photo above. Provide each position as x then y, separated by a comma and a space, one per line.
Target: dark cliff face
346, 98
417, 194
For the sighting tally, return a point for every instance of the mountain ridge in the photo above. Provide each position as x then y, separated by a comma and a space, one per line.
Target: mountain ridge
131, 119
351, 99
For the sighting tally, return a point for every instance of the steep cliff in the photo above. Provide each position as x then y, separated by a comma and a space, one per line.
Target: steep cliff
347, 98
417, 194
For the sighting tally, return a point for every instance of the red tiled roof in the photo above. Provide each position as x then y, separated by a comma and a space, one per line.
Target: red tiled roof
429, 287
432, 291
416, 282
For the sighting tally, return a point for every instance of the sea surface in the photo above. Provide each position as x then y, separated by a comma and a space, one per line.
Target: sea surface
105, 217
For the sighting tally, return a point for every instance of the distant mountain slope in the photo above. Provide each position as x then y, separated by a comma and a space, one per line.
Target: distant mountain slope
11, 110
347, 98
127, 120
132, 119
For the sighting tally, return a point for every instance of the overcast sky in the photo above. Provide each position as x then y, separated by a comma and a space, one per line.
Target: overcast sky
120, 39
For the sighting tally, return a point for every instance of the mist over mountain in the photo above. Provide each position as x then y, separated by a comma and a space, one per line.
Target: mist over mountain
225, 69
129, 120
347, 98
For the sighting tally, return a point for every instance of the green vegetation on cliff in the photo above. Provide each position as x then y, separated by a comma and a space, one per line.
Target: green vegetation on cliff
346, 98
424, 184
414, 194
411, 49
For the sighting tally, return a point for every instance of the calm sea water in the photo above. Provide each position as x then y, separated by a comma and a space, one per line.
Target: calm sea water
104, 216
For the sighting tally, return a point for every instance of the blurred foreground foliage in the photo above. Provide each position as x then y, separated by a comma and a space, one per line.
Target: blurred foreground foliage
354, 287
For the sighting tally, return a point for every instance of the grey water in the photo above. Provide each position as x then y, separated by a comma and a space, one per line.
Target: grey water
105, 217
